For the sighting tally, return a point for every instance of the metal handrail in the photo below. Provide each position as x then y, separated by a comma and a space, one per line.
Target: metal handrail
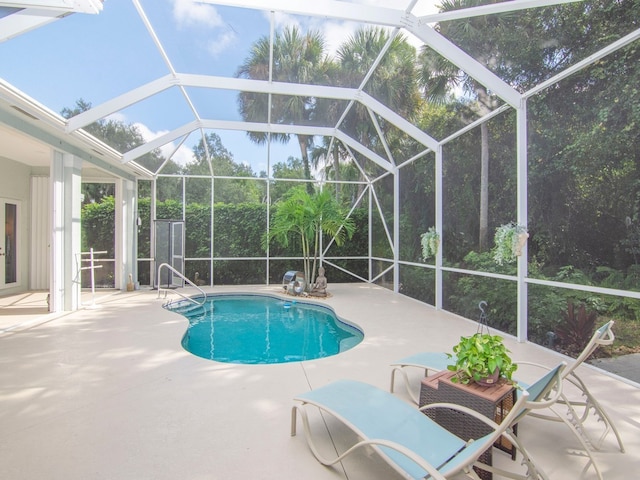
186, 297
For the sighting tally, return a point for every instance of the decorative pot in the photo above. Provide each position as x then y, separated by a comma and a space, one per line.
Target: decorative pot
522, 239
491, 380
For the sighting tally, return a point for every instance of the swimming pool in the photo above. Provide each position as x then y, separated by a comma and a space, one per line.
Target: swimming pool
259, 329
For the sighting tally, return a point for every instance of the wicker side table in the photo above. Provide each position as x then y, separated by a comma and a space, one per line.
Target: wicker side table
492, 402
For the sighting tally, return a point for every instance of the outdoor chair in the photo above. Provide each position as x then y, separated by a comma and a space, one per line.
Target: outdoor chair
428, 361
410, 441
578, 409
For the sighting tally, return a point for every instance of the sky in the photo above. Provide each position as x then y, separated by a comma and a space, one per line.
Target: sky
98, 57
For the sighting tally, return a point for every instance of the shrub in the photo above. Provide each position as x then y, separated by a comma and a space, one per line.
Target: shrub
577, 328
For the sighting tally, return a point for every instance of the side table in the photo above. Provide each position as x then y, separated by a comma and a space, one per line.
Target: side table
493, 402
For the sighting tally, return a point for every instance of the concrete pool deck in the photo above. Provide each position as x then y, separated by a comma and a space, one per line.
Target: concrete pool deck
109, 393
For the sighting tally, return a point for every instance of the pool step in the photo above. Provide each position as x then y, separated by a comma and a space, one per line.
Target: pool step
188, 309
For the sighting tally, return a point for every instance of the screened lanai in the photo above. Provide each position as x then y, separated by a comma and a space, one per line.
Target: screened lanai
461, 118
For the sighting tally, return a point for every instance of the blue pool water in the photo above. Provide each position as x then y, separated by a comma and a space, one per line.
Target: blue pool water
255, 329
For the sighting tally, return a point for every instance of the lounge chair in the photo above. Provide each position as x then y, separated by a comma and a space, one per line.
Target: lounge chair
428, 361
409, 440
577, 409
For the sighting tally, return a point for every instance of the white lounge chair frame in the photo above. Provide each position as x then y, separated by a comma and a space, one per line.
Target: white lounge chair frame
577, 410
411, 442
428, 361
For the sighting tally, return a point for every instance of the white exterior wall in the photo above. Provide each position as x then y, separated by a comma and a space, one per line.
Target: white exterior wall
40, 238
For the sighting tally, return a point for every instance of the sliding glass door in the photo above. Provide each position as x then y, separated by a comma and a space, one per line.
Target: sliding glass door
8, 243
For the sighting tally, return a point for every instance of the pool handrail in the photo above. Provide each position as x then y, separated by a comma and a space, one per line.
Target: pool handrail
186, 297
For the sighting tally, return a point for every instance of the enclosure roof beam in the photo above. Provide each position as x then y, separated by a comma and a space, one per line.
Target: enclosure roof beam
370, 154
378, 15
119, 103
160, 141
204, 81
395, 119
254, 127
501, 7
36, 120
24, 21
468, 64
210, 124
622, 42
29, 15
323, 8
263, 86
60, 7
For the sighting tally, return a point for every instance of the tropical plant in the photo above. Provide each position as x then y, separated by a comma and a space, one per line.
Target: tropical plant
429, 241
577, 327
297, 58
306, 217
393, 83
479, 356
508, 242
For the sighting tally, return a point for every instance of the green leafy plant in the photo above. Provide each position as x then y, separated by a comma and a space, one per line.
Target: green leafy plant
479, 356
430, 241
508, 240
306, 217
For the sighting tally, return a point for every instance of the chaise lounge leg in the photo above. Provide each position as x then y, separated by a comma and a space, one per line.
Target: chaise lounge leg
294, 416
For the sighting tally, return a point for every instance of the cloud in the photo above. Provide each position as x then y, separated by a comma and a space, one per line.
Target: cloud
181, 156
189, 14
221, 42
282, 20
336, 33
117, 117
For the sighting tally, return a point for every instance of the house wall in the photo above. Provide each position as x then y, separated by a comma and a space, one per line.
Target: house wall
40, 226
15, 185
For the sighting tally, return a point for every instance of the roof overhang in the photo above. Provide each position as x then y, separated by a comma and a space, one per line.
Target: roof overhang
17, 18
23, 113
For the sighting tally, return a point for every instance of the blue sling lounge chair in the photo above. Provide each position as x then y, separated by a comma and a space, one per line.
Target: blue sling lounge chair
578, 409
410, 441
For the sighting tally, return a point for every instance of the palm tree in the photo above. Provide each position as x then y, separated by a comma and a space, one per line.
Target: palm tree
393, 83
306, 217
297, 58
437, 76
329, 153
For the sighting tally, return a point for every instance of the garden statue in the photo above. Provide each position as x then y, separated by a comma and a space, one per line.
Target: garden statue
319, 288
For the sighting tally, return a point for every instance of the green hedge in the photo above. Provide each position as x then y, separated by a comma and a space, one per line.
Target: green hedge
238, 231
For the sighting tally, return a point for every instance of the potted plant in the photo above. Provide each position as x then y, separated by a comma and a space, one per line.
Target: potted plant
509, 240
482, 358
430, 241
